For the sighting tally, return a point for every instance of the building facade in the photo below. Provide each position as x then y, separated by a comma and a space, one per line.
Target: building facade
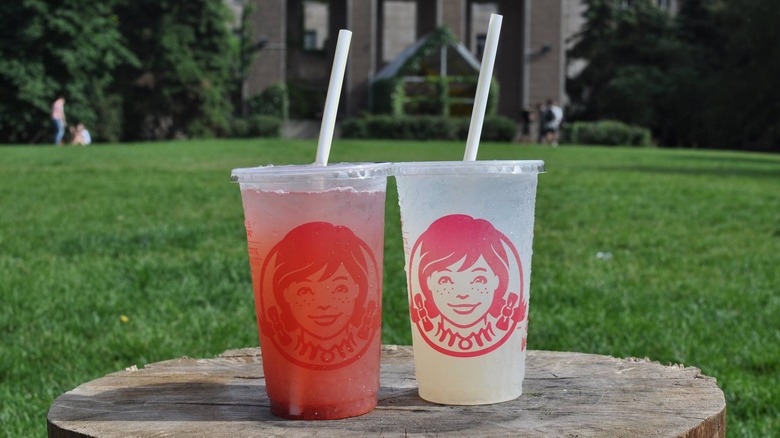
299, 41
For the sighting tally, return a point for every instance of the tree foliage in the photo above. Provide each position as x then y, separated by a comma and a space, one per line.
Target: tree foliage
129, 69
633, 58
243, 48
182, 85
705, 77
51, 47
744, 102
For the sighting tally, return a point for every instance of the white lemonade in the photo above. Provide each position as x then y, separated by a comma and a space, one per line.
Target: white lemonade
468, 232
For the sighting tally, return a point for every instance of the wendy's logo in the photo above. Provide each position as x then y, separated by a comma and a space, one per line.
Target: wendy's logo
466, 286
320, 301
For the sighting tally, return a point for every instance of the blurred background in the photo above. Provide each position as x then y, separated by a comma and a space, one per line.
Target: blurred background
694, 73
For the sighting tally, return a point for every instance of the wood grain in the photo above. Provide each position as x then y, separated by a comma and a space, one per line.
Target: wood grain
564, 394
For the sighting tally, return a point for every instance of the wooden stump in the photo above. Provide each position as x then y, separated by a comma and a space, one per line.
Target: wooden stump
564, 394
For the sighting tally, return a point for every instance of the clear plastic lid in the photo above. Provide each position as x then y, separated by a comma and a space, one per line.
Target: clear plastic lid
296, 172
469, 167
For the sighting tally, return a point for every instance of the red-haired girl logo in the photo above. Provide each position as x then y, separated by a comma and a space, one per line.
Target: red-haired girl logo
466, 286
324, 311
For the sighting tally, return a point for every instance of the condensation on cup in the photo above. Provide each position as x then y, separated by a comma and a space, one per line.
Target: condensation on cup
467, 228
315, 237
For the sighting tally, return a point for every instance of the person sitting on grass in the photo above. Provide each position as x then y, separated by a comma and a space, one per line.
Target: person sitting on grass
80, 135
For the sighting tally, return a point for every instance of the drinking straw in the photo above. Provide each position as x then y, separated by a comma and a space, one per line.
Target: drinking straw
332, 99
483, 87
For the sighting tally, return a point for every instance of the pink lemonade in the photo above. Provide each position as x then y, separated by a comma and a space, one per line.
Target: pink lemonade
316, 260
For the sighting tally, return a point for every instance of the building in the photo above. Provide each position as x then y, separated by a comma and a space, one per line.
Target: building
299, 41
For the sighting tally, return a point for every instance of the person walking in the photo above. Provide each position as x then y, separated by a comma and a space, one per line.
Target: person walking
58, 117
527, 119
553, 117
541, 110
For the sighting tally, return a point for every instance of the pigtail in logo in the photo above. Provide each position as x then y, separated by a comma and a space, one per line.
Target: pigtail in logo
511, 312
419, 314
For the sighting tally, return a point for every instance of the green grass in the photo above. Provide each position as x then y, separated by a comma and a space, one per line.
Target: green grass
155, 232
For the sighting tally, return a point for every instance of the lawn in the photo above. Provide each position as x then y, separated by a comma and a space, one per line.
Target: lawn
120, 255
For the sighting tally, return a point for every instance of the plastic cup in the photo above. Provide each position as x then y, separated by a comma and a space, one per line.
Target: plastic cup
315, 236
467, 231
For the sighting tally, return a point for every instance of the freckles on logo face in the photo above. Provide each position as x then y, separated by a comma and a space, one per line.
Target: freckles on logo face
323, 306
481, 291
463, 294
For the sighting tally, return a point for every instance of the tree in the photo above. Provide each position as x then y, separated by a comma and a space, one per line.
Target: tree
50, 47
183, 83
700, 32
707, 78
744, 106
593, 44
632, 57
244, 49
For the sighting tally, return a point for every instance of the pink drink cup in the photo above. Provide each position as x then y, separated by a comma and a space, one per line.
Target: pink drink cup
315, 236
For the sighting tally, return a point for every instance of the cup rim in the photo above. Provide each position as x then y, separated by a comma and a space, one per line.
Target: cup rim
469, 167
336, 171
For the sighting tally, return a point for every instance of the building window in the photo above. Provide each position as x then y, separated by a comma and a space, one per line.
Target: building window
479, 48
479, 20
315, 25
309, 40
399, 27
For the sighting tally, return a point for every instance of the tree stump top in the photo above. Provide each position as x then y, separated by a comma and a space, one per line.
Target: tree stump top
564, 394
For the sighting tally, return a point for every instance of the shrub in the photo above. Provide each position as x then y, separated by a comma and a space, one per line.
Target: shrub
306, 101
607, 132
430, 128
498, 128
108, 125
239, 128
354, 128
198, 128
273, 101
264, 126
495, 128
388, 96
255, 126
388, 127
399, 128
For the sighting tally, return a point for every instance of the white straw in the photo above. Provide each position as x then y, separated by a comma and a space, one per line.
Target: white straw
483, 87
332, 99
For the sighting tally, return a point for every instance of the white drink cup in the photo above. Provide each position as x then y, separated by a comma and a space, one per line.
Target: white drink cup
468, 231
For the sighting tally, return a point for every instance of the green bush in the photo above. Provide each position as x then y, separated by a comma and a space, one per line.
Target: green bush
400, 128
495, 128
239, 128
306, 101
354, 128
264, 126
108, 124
396, 128
388, 96
273, 101
606, 132
200, 128
498, 128
255, 126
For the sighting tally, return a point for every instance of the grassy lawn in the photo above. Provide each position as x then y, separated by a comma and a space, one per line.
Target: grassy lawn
118, 255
